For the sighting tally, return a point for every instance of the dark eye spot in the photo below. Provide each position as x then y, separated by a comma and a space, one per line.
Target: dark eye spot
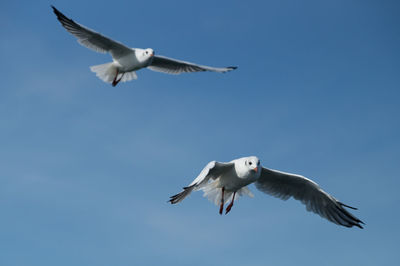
250, 163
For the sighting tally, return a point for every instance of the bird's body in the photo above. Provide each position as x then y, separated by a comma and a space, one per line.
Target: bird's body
236, 178
132, 61
127, 60
221, 182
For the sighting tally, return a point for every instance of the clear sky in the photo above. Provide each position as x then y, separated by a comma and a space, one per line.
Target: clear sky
86, 169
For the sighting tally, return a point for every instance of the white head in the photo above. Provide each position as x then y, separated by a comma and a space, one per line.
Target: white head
252, 163
144, 54
248, 167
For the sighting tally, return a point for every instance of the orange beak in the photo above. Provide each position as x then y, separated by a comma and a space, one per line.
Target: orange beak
255, 169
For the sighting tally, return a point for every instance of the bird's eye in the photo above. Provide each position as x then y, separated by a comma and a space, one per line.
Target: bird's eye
147, 52
250, 163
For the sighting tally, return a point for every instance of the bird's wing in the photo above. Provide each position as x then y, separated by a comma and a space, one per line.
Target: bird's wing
92, 39
212, 171
173, 66
284, 185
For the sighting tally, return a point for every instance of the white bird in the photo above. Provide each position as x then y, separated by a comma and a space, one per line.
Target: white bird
127, 60
221, 182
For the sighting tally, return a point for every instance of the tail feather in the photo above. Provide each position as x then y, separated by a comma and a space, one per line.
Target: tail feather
214, 194
106, 72
128, 76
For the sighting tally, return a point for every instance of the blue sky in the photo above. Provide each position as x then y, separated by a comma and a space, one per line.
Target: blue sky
86, 169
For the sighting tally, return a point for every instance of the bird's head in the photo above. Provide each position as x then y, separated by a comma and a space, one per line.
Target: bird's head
148, 52
145, 54
252, 163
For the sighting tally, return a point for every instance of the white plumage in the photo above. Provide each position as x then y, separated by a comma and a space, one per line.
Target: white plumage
127, 60
224, 182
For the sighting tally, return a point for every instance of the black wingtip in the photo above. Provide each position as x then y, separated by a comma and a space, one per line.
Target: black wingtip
352, 220
230, 68
181, 195
58, 13
347, 206
359, 226
227, 69
55, 10
175, 198
60, 16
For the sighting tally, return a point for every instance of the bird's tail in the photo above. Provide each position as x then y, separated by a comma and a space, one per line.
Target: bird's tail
214, 193
106, 72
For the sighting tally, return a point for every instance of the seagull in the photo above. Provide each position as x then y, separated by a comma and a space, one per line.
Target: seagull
127, 60
221, 182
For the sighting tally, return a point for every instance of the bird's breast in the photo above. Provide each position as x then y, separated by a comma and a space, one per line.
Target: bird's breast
129, 63
232, 182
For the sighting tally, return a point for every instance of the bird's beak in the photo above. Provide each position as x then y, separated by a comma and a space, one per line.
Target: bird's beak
255, 169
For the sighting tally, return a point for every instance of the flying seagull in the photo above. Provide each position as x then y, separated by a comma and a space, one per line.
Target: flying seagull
222, 182
127, 60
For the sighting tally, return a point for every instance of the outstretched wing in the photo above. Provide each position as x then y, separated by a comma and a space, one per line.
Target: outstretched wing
173, 66
92, 39
285, 185
213, 170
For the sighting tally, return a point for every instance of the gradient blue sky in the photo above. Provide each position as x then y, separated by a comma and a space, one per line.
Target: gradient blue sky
86, 169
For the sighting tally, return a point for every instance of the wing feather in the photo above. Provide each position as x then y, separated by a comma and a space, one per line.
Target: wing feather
91, 39
284, 185
173, 66
212, 171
